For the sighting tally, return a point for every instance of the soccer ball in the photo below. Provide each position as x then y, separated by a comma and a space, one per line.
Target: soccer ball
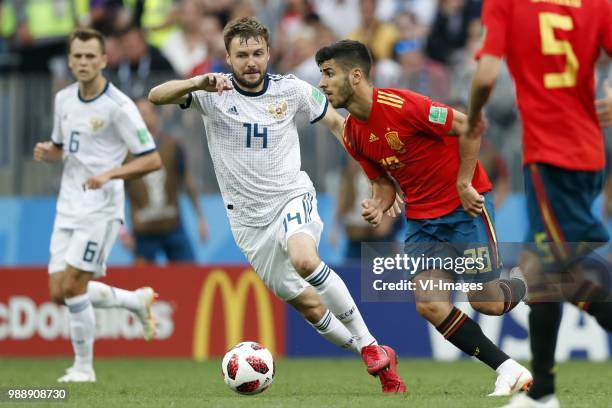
248, 368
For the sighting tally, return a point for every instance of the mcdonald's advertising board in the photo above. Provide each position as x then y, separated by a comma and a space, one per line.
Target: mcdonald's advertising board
201, 311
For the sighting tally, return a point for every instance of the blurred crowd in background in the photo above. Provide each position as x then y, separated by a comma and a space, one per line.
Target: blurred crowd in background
423, 45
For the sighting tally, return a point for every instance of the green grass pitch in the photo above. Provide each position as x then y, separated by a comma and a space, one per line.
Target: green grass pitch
298, 383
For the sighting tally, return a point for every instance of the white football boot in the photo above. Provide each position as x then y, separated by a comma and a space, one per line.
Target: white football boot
523, 400
149, 324
78, 376
511, 379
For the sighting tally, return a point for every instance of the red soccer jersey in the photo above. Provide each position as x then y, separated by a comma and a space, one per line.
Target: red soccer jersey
407, 135
551, 47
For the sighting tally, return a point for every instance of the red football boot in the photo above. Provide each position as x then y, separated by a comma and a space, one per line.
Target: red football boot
390, 379
375, 358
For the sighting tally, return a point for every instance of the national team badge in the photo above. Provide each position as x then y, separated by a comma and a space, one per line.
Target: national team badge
96, 123
279, 110
394, 141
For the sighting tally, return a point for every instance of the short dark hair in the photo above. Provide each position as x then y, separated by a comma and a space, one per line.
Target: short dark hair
347, 53
245, 28
86, 34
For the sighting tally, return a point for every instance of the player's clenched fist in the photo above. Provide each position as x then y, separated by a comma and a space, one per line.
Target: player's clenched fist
396, 208
212, 83
471, 200
44, 152
96, 182
372, 212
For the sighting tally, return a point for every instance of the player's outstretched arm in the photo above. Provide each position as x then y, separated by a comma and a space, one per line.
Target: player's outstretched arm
133, 169
471, 133
47, 152
176, 91
469, 149
334, 122
482, 86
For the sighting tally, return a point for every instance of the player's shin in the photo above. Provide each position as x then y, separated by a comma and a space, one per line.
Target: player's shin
467, 336
102, 295
82, 330
335, 332
594, 300
544, 321
338, 299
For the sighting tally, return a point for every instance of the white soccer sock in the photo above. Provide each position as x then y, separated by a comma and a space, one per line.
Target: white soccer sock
335, 332
102, 295
82, 330
338, 299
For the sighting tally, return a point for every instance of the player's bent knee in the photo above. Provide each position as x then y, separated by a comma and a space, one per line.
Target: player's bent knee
489, 308
305, 265
428, 309
57, 295
55, 290
74, 285
70, 289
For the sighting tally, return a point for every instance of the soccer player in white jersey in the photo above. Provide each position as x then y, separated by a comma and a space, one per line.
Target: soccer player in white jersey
94, 127
271, 203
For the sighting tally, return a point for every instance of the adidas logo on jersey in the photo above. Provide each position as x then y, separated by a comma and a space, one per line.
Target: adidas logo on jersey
373, 137
232, 110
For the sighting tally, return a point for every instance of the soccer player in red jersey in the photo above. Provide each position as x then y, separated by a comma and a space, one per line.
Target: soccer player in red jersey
551, 47
407, 136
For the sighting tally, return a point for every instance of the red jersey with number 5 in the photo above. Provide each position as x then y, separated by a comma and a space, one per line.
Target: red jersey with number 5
406, 135
551, 47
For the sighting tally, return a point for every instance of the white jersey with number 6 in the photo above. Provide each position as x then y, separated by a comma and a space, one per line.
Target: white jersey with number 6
96, 136
254, 144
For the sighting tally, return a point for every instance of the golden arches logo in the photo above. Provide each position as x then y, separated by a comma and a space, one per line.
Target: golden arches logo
234, 300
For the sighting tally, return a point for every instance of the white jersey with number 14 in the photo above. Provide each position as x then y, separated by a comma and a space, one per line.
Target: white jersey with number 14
254, 144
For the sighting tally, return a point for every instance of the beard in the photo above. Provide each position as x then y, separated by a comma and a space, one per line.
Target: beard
247, 84
345, 92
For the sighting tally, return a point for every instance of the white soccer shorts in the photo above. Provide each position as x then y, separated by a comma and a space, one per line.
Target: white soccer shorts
85, 249
266, 247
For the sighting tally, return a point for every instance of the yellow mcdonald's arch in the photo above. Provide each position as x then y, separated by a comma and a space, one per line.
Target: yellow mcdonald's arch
234, 304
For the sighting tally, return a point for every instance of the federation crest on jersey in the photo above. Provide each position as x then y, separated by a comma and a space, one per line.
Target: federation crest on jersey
278, 110
394, 141
96, 123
